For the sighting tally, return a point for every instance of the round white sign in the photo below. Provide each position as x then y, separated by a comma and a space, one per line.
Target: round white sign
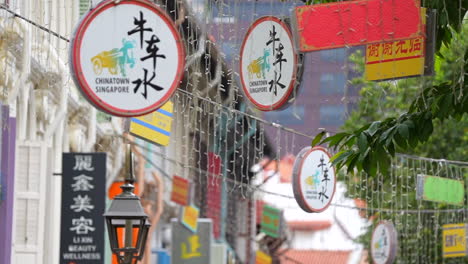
127, 58
314, 179
384, 243
268, 63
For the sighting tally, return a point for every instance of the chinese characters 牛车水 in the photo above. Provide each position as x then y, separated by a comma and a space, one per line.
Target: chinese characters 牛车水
152, 51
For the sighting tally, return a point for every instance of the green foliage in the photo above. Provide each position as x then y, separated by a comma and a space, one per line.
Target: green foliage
443, 101
422, 116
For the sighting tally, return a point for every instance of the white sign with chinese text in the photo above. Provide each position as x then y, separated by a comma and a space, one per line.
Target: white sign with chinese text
127, 58
314, 179
268, 63
384, 243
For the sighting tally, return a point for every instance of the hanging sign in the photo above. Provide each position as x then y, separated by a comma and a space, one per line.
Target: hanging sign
180, 190
271, 221
384, 243
404, 58
268, 64
454, 240
154, 127
314, 179
188, 247
442, 190
83, 202
213, 192
262, 258
398, 59
127, 57
190, 217
355, 23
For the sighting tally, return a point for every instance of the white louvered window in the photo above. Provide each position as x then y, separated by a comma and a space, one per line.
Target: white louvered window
29, 203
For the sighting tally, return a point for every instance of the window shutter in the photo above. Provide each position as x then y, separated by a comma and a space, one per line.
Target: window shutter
29, 206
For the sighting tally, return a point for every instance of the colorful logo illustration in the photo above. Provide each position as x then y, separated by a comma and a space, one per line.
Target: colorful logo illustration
380, 245
314, 180
258, 66
115, 59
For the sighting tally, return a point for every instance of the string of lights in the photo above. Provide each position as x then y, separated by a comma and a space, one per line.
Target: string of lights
253, 189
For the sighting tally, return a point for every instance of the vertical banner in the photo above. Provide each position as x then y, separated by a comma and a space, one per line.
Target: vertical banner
271, 221
83, 202
213, 192
189, 247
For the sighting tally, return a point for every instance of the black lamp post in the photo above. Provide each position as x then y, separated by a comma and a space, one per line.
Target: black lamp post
125, 220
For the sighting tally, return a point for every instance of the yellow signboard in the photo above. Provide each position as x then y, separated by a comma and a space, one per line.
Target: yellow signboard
262, 258
154, 127
190, 217
454, 240
403, 58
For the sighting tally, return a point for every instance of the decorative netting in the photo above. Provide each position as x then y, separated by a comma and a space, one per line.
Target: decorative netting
222, 144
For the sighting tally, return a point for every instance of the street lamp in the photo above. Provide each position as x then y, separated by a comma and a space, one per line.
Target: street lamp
125, 220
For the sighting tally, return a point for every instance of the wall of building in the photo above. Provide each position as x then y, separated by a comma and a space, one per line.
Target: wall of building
8, 135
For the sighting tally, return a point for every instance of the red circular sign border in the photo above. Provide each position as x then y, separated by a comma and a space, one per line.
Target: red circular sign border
76, 62
291, 87
298, 180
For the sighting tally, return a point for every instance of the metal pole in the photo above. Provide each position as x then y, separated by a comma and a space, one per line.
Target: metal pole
128, 223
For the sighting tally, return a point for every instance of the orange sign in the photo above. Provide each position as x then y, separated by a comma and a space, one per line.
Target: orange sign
190, 217
180, 190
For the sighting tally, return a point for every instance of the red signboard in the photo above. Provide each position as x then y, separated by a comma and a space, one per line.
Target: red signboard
354, 23
180, 190
213, 193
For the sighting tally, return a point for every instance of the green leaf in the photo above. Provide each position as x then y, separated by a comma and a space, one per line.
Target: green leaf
373, 128
317, 138
369, 165
400, 141
383, 160
362, 142
385, 135
427, 130
391, 149
352, 162
340, 156
409, 123
350, 142
403, 131
337, 138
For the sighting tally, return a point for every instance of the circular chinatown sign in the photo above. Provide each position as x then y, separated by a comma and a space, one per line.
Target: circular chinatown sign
268, 63
384, 243
314, 179
127, 58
